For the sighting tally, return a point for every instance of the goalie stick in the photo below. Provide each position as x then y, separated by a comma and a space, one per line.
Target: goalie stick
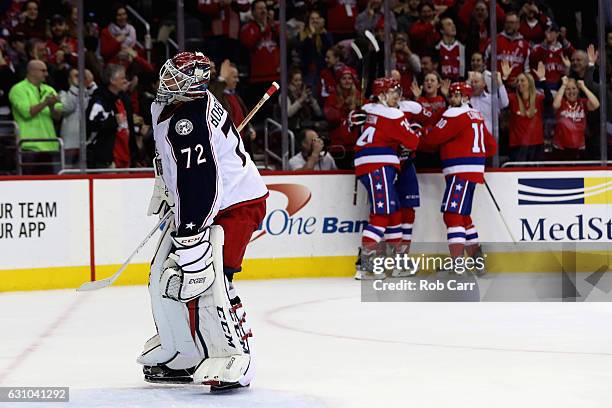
273, 88
103, 283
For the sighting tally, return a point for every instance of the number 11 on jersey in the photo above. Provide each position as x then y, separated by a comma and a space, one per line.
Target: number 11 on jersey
478, 146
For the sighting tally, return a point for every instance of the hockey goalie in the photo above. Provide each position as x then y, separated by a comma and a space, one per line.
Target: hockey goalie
205, 177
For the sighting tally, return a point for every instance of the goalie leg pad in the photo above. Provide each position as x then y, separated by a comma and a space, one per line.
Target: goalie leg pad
221, 332
171, 318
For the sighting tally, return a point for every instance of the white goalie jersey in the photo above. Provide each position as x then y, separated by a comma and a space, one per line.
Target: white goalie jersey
204, 164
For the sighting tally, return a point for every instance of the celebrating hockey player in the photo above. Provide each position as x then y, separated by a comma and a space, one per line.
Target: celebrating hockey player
218, 200
376, 165
407, 184
464, 144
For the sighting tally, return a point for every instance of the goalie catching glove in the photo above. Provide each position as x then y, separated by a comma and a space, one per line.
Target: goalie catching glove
188, 270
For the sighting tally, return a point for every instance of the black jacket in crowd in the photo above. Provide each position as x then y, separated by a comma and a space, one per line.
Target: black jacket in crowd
102, 126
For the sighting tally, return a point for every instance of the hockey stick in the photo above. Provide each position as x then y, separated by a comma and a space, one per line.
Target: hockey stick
356, 50
372, 39
363, 86
500, 212
102, 283
273, 88
360, 57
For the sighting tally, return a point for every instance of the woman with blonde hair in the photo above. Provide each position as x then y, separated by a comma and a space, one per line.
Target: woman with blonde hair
570, 130
526, 123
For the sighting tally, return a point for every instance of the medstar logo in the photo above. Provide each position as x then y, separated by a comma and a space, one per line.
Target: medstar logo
555, 191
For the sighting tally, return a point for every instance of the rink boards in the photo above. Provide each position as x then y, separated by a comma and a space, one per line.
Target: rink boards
57, 232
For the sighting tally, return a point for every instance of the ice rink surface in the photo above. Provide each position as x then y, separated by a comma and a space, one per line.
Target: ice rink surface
317, 345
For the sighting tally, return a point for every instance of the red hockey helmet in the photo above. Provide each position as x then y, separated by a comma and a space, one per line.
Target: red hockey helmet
383, 85
184, 77
462, 88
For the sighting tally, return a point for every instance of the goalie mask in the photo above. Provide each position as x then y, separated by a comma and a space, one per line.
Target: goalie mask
387, 90
184, 77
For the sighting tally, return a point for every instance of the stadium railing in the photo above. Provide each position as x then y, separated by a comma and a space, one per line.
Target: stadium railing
20, 153
272, 127
8, 146
553, 163
148, 43
108, 171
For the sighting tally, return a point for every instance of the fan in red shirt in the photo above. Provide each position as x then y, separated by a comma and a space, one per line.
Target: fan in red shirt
554, 54
423, 33
511, 47
61, 48
464, 144
451, 52
526, 123
406, 62
533, 23
260, 37
569, 139
341, 16
443, 5
333, 62
118, 36
429, 95
343, 100
33, 24
222, 37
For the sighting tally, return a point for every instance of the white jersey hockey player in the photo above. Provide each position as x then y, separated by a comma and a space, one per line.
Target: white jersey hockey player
218, 199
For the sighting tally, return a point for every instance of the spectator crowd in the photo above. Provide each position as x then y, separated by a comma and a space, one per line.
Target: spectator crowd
547, 73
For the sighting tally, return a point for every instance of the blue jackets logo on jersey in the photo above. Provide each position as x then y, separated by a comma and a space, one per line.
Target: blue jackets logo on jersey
183, 127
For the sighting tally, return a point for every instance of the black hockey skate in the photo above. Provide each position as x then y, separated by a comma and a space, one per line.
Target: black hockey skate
161, 374
365, 265
222, 386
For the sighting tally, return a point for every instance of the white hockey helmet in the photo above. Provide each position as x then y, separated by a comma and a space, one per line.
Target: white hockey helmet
184, 77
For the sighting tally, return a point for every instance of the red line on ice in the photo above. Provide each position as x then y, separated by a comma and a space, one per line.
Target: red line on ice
35, 345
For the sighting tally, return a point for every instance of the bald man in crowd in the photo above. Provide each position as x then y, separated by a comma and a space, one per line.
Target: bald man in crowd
35, 105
